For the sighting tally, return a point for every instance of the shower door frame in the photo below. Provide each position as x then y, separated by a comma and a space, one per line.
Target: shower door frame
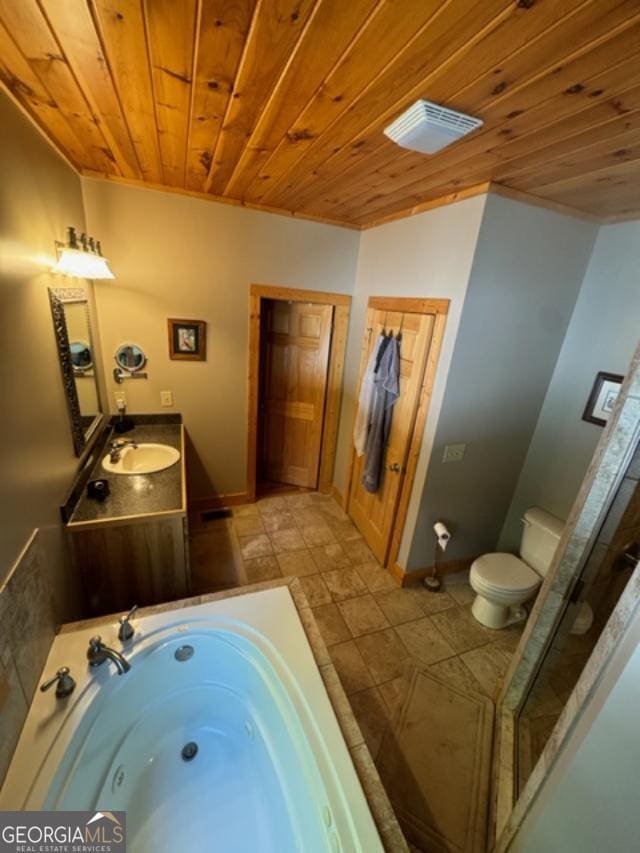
604, 475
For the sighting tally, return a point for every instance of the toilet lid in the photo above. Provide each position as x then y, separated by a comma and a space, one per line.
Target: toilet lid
505, 571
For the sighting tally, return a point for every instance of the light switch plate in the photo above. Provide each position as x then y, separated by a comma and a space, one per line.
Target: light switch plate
166, 398
454, 452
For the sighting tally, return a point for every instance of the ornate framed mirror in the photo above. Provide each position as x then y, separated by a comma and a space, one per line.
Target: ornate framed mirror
72, 328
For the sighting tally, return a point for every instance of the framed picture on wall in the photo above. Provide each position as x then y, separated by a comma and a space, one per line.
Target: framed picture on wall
187, 340
602, 398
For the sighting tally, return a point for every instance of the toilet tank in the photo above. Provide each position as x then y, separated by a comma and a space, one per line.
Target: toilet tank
540, 538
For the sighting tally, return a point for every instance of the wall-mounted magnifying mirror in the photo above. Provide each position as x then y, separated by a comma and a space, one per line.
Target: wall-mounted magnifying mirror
130, 359
81, 357
72, 327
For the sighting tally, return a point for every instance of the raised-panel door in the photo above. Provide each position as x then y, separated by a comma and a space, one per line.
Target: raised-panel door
374, 513
297, 336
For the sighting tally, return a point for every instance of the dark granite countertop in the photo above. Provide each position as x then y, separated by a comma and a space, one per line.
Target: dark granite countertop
137, 494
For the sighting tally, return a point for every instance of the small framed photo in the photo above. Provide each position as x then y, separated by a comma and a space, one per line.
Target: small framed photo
602, 398
187, 340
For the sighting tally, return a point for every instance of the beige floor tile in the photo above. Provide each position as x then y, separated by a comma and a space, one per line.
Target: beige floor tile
297, 563
489, 665
315, 590
430, 602
272, 503
215, 560
454, 672
299, 501
262, 569
331, 624
317, 534
247, 525
461, 593
245, 511
394, 693
398, 607
308, 516
278, 520
358, 551
345, 531
330, 557
286, 540
258, 545
352, 670
362, 615
332, 512
460, 629
384, 654
423, 641
372, 715
376, 578
344, 583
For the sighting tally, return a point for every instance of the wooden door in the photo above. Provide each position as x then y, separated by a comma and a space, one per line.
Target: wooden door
295, 355
374, 514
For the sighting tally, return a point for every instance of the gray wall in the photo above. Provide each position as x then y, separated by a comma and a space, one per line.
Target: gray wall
526, 275
40, 196
602, 335
428, 255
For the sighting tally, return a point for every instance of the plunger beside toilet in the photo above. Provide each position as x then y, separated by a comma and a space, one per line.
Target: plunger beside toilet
503, 582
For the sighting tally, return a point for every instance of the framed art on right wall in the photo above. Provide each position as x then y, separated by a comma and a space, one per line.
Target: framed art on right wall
602, 398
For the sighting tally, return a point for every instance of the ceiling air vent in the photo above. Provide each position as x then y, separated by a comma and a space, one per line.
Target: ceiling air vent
428, 127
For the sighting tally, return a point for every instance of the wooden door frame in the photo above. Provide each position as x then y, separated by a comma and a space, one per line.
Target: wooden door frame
341, 310
405, 305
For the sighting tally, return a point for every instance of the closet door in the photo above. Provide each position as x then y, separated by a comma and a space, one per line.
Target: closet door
374, 514
297, 336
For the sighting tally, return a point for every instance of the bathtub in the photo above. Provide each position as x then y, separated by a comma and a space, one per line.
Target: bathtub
221, 737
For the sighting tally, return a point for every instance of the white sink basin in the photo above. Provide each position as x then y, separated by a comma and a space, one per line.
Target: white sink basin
143, 459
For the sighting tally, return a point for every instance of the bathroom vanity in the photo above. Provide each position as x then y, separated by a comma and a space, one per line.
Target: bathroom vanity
132, 547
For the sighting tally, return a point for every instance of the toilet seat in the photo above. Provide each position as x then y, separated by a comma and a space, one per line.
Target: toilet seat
505, 575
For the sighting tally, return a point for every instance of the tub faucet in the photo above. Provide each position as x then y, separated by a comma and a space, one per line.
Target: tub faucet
98, 653
117, 447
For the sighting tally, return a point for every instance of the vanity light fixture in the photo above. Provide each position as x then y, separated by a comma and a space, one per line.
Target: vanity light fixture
81, 257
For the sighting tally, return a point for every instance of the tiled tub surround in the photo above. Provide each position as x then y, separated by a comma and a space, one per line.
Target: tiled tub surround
144, 494
388, 829
27, 630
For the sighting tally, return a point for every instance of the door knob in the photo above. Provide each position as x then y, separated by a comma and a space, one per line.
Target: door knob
395, 468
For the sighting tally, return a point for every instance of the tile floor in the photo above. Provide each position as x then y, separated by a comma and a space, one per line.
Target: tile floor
376, 632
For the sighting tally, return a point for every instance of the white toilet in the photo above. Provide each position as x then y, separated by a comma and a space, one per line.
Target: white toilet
503, 582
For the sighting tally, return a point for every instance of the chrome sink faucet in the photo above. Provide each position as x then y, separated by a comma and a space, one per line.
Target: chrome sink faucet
98, 653
118, 445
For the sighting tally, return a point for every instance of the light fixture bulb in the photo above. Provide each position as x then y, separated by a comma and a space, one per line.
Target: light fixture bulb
82, 264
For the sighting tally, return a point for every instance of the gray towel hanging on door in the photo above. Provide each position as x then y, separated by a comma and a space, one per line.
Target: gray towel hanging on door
386, 392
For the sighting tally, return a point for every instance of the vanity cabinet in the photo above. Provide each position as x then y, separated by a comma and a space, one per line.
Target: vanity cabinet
132, 546
140, 562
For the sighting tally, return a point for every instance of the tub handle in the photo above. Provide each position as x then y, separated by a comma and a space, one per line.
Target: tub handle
126, 630
65, 684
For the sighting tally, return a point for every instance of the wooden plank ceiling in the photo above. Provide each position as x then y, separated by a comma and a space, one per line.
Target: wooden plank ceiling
282, 103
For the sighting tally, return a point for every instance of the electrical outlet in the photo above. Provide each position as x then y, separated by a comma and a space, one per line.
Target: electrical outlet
454, 452
121, 400
166, 398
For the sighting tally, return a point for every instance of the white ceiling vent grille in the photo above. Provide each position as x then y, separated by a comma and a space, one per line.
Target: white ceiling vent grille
428, 127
